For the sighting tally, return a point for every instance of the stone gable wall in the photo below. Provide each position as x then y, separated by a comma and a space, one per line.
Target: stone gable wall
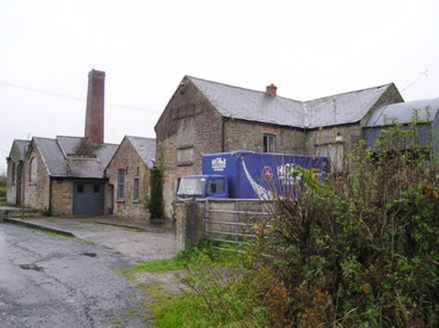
37, 192
188, 127
128, 159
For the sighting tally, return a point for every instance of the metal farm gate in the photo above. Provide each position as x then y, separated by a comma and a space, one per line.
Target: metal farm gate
234, 221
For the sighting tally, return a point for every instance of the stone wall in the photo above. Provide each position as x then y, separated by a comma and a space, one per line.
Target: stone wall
242, 135
62, 197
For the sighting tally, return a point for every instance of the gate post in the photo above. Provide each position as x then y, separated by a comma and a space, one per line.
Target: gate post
190, 227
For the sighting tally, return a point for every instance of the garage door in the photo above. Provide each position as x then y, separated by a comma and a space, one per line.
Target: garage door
88, 198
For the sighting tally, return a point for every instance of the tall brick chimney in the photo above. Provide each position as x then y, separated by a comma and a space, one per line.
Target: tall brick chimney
271, 90
94, 118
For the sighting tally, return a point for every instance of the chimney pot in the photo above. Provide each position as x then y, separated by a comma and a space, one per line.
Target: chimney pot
94, 119
271, 90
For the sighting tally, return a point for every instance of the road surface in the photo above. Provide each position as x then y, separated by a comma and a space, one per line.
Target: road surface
52, 281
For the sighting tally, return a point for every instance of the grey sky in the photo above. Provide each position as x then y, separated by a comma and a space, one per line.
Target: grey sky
309, 49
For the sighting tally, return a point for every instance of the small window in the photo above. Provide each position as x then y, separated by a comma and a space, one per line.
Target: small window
80, 188
136, 189
96, 189
269, 143
121, 185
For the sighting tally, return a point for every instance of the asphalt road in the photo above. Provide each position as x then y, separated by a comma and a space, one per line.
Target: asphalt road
52, 281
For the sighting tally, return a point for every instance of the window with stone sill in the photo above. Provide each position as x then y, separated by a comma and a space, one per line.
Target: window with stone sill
269, 143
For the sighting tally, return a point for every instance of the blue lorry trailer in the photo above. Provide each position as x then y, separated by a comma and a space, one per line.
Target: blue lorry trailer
250, 175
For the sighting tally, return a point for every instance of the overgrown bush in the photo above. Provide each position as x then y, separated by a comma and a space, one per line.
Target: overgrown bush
361, 249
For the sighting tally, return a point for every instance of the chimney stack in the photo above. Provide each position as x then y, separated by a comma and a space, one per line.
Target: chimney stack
94, 119
271, 90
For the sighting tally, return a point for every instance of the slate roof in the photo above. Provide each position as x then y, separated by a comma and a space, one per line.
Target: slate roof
257, 106
145, 147
22, 147
61, 157
402, 113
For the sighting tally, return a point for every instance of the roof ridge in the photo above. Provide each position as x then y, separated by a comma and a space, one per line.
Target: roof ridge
349, 92
240, 88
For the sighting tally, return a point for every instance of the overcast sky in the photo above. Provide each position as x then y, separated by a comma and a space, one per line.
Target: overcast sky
309, 49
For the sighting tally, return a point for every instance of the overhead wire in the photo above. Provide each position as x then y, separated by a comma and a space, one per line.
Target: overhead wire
66, 96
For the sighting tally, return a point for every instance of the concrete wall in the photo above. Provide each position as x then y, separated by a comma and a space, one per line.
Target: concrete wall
127, 158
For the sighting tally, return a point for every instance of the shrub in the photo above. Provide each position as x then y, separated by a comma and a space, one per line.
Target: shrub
155, 202
2, 192
361, 249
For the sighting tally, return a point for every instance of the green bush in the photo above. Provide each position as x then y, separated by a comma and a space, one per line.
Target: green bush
361, 249
3, 192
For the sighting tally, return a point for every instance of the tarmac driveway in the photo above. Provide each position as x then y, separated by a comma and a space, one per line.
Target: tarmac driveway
133, 238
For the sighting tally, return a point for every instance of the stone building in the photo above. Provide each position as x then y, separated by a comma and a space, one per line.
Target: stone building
15, 162
209, 117
128, 174
65, 176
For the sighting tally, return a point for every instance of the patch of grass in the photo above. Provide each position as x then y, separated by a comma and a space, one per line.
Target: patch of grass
218, 291
193, 258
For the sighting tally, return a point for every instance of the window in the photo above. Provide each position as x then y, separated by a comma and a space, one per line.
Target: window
80, 188
121, 185
33, 170
269, 143
136, 189
215, 186
13, 173
96, 189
